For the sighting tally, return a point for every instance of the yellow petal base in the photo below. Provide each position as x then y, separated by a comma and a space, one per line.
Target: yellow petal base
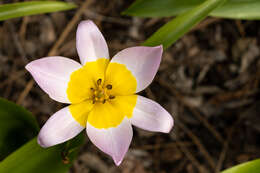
102, 94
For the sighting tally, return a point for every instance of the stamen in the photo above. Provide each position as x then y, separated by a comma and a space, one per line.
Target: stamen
99, 81
109, 87
100, 93
112, 97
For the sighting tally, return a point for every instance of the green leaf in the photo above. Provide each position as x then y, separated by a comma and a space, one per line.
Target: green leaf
160, 8
234, 9
239, 9
8, 11
17, 126
31, 158
173, 30
247, 167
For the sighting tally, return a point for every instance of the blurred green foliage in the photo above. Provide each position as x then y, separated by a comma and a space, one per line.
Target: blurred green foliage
177, 27
247, 167
233, 9
20, 9
17, 126
32, 158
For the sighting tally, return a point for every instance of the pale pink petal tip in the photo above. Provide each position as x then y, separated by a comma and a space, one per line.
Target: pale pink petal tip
118, 162
150, 116
113, 141
59, 128
52, 75
90, 43
41, 142
169, 125
160, 46
142, 61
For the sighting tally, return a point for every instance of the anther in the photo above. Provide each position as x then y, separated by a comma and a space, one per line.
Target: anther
92, 89
104, 101
112, 97
109, 87
99, 81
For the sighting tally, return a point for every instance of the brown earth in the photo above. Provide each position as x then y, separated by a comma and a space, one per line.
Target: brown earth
208, 81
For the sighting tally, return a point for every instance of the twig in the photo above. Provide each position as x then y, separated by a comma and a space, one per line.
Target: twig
225, 147
53, 51
23, 27
13, 77
207, 124
69, 27
192, 136
196, 113
205, 23
9, 86
25, 92
197, 142
189, 155
17, 42
163, 145
222, 157
240, 27
181, 166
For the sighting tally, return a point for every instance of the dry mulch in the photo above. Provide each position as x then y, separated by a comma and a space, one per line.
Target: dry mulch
208, 80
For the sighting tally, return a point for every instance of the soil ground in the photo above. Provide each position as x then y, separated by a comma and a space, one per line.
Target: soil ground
208, 80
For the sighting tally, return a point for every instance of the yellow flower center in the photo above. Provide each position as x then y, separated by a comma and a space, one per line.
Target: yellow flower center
102, 94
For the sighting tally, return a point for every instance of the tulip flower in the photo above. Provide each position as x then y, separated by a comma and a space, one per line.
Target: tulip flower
101, 93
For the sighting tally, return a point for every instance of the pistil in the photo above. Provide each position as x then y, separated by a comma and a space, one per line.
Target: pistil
100, 93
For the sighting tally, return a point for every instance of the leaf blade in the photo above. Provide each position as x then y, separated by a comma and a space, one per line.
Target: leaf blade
239, 10
17, 125
173, 30
32, 158
20, 9
164, 8
247, 167
233, 9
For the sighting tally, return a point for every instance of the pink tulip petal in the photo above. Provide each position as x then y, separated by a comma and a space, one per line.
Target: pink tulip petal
59, 128
52, 74
143, 62
150, 116
91, 44
113, 141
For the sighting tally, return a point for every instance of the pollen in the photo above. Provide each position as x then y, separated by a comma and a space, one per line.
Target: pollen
101, 92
